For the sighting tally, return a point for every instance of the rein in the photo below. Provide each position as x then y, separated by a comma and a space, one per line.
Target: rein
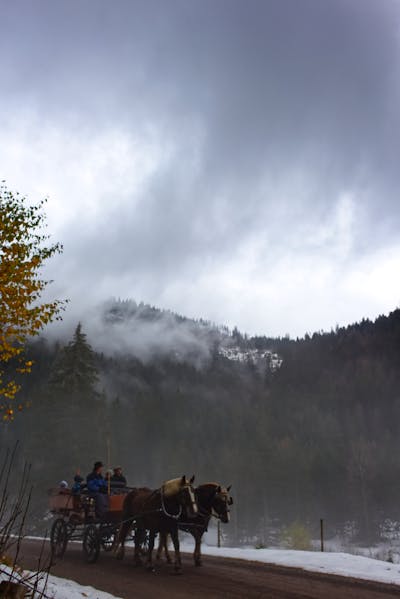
215, 515
211, 514
204, 513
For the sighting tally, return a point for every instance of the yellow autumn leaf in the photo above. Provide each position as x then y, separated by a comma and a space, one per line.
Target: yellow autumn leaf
24, 249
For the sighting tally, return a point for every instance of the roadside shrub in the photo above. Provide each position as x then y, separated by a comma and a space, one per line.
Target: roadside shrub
260, 545
297, 536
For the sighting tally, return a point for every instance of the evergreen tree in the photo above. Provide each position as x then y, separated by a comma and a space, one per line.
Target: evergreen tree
75, 371
72, 412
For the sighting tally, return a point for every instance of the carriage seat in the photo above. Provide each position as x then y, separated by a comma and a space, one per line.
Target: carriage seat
61, 500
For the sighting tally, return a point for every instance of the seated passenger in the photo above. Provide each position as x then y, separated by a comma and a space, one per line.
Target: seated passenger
118, 477
77, 486
95, 481
97, 487
63, 487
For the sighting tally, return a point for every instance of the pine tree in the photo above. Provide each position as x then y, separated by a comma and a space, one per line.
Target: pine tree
72, 411
75, 371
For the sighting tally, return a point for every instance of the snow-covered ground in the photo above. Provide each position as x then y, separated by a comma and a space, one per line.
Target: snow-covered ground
342, 564
339, 563
61, 588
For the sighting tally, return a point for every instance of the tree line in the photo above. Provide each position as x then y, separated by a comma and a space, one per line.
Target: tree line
317, 437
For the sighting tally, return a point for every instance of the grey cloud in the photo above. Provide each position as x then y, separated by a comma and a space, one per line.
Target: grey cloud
119, 329
273, 109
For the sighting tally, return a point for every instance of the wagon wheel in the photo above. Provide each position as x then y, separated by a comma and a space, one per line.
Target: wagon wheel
58, 538
107, 538
91, 544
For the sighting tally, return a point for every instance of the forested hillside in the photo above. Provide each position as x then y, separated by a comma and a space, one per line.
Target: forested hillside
302, 429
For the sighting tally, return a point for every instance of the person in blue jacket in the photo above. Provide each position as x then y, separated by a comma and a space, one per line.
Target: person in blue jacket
97, 487
95, 480
77, 486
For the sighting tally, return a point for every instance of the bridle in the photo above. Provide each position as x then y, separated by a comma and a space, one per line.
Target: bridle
226, 499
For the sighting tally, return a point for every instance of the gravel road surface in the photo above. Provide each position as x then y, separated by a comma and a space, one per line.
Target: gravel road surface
218, 577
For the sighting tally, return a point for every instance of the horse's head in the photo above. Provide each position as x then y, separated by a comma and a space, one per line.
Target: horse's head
221, 502
182, 489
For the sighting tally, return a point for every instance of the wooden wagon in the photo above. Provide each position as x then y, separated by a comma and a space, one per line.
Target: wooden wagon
75, 520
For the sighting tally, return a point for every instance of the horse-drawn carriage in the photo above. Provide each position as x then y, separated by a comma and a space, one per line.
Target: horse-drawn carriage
140, 512
76, 520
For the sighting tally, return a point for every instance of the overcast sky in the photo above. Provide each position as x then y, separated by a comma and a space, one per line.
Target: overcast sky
231, 160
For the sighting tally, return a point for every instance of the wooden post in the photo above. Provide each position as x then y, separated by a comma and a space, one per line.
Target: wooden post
108, 466
321, 522
219, 533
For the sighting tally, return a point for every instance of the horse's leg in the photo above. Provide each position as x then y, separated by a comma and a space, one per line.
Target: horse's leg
139, 535
167, 555
161, 545
197, 550
149, 562
119, 547
175, 540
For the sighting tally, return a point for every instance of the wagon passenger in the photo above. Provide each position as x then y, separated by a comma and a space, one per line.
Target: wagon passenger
63, 488
77, 486
118, 477
97, 487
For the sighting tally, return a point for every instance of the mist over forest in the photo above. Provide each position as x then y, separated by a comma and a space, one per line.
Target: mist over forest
303, 429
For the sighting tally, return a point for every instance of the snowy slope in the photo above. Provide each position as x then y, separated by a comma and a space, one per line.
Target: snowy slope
342, 564
61, 588
254, 356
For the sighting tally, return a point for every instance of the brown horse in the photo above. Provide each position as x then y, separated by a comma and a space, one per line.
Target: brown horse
212, 499
156, 511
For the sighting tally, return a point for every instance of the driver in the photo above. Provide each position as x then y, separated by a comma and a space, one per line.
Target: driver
97, 487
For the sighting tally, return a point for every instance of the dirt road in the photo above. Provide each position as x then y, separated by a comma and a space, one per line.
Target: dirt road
219, 577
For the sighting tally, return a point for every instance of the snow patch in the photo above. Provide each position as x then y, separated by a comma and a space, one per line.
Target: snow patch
252, 356
61, 588
342, 564
58, 588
